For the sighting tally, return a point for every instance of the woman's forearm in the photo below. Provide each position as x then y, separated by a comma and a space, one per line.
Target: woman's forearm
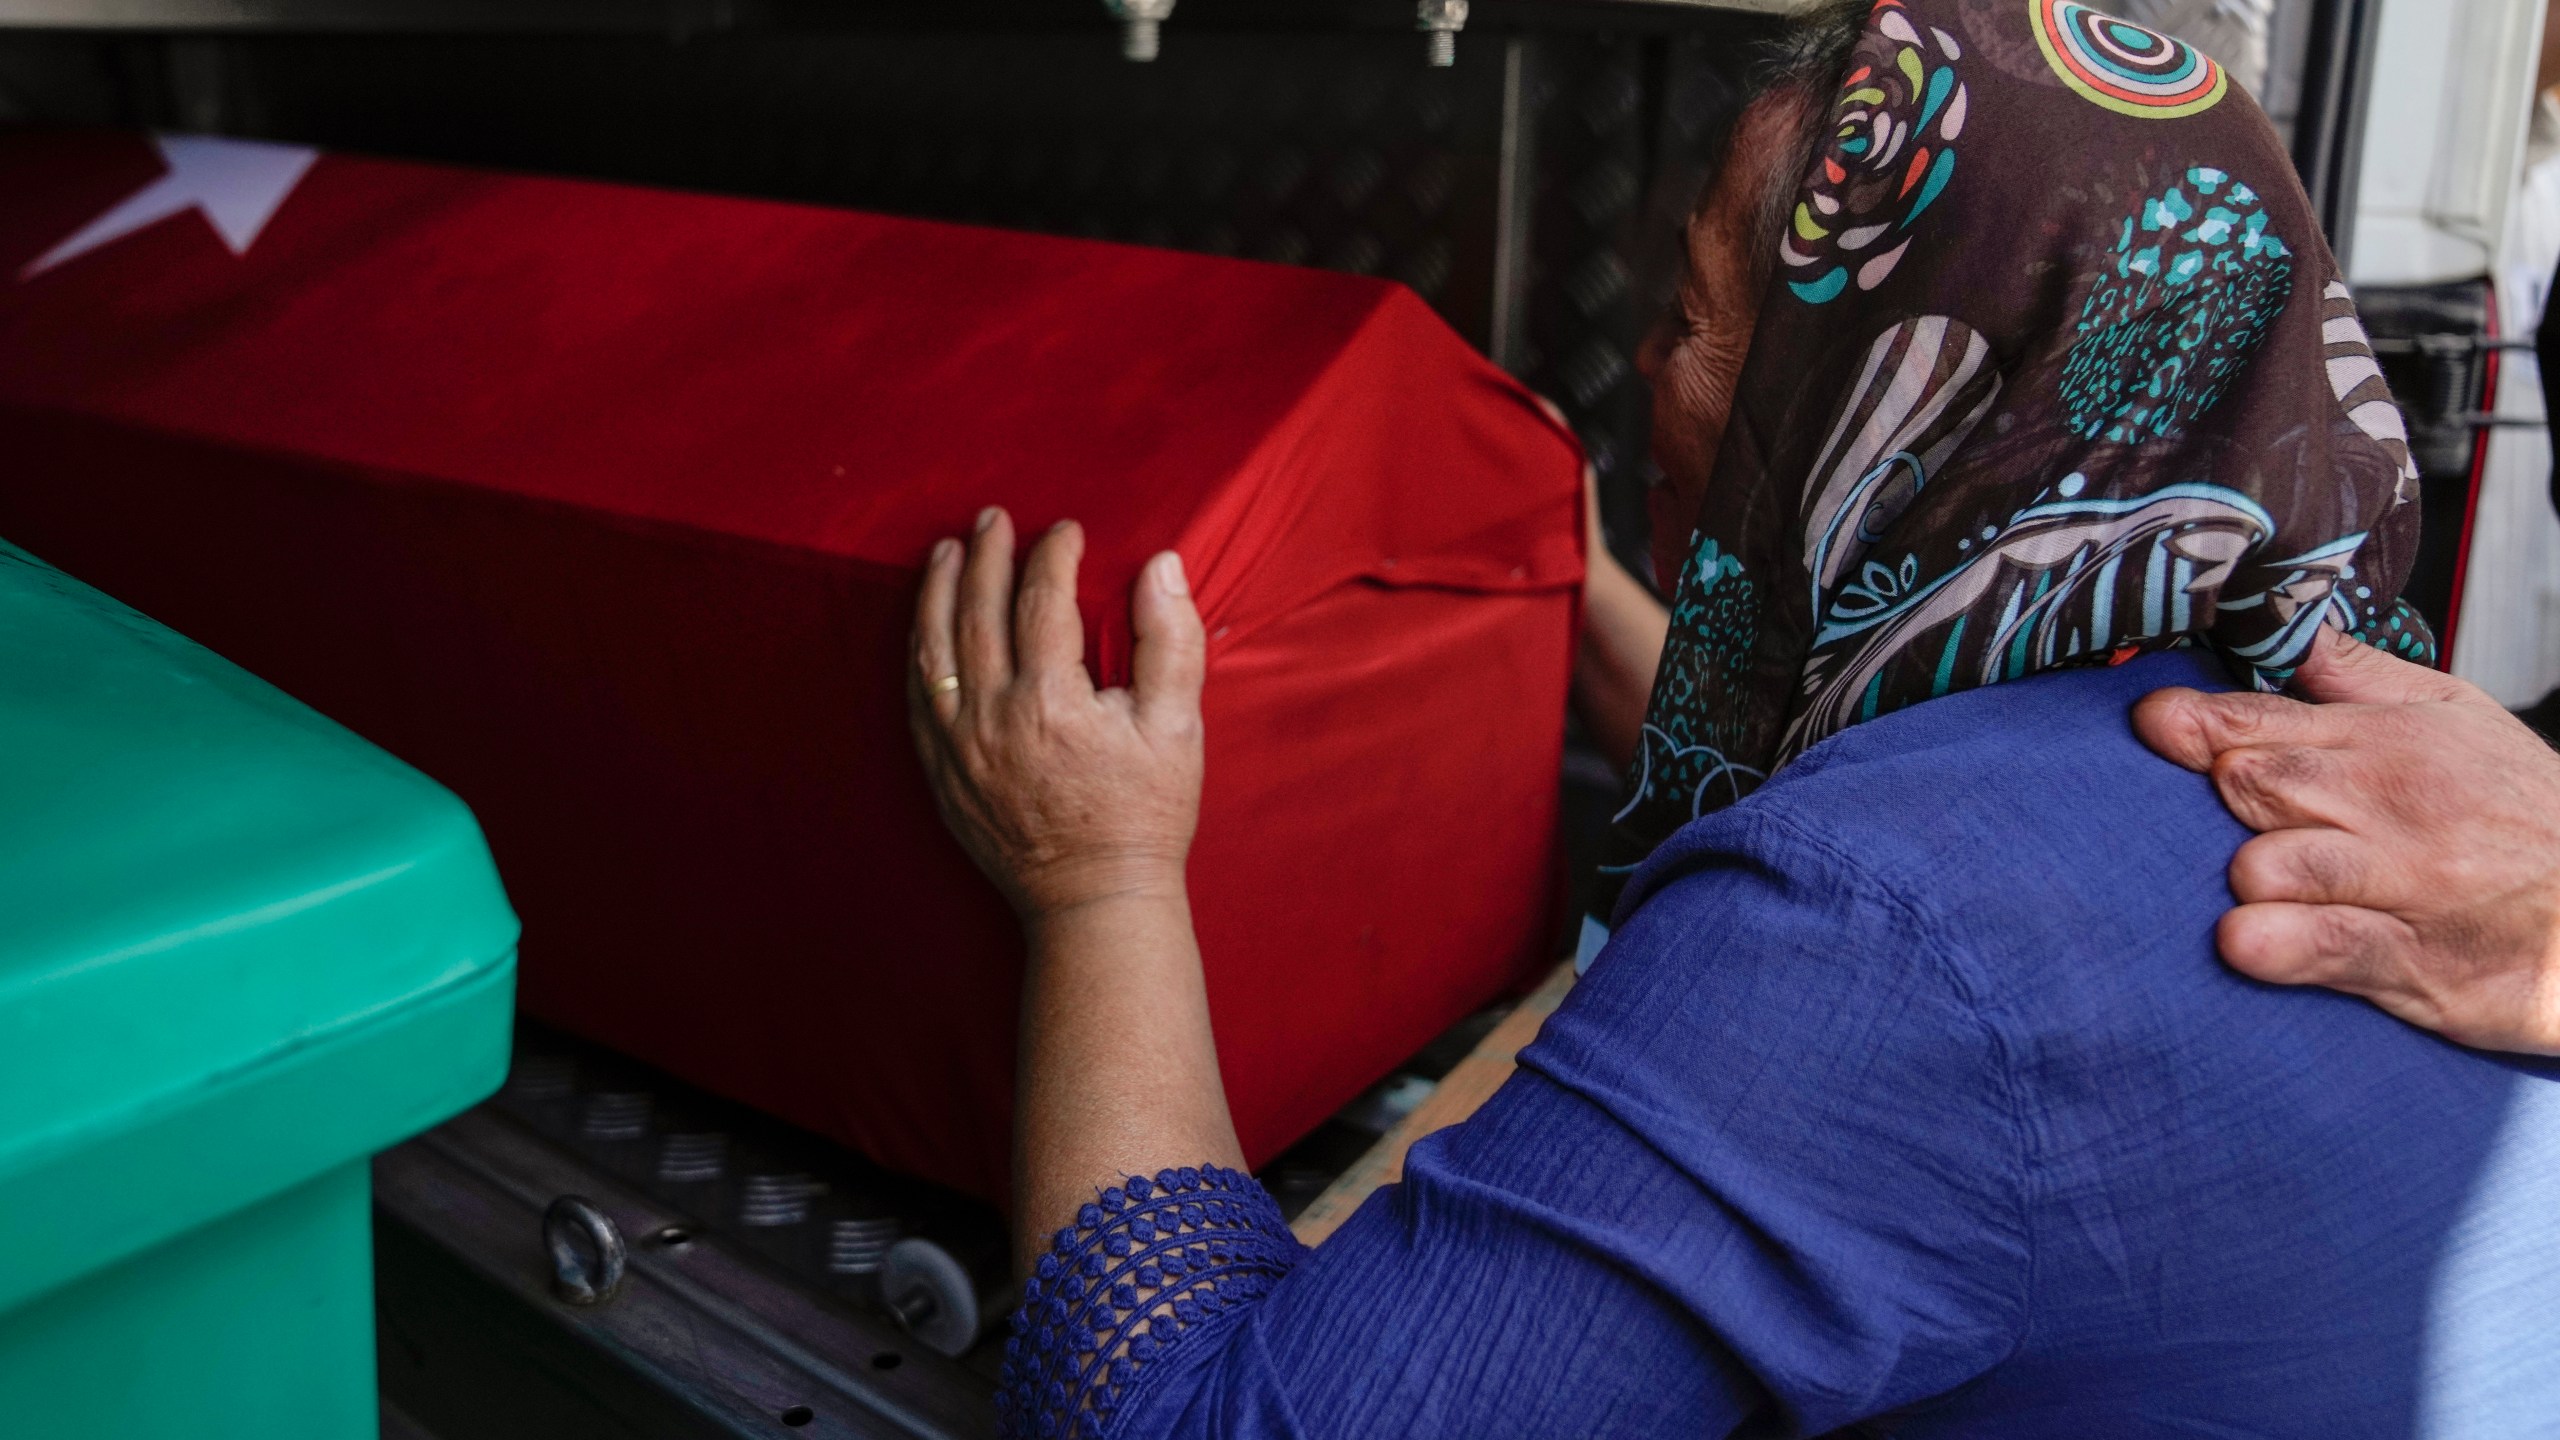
1079, 804
1623, 628
1119, 1071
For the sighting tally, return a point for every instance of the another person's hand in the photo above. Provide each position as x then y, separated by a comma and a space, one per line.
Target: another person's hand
1065, 795
2411, 845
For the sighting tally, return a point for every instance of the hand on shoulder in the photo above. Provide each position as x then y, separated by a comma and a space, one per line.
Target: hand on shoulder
2410, 845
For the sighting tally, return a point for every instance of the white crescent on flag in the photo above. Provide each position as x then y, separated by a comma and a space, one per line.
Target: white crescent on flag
236, 183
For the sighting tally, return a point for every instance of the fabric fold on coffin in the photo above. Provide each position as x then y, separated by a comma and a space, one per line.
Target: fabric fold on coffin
1284, 533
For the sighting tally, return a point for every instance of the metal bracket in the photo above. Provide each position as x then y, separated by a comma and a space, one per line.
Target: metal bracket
702, 1340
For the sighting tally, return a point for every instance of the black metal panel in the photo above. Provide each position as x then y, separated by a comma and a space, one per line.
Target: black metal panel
1625, 127
1332, 150
679, 18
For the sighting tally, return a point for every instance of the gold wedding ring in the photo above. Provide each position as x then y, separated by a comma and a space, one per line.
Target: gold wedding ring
943, 686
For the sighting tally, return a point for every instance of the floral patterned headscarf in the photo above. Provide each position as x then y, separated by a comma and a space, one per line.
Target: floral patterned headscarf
2055, 369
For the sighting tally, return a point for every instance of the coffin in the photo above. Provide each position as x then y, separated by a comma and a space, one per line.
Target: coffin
604, 506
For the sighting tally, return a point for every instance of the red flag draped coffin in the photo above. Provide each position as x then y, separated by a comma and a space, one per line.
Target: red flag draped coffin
605, 507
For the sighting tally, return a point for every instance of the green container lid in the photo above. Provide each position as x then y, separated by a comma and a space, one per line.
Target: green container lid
240, 945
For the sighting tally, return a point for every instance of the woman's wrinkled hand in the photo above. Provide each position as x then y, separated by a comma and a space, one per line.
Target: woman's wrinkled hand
1065, 795
2411, 845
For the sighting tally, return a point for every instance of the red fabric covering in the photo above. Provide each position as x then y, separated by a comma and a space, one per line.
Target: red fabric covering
605, 505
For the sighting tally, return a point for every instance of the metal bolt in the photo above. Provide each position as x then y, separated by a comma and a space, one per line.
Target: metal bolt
914, 1307
856, 1247
693, 1157
1140, 21
773, 1200
1441, 20
616, 1115
931, 1294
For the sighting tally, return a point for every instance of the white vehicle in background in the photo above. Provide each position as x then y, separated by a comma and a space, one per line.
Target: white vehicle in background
2459, 181
2453, 229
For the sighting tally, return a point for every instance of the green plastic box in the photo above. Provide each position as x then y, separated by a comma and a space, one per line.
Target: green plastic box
240, 951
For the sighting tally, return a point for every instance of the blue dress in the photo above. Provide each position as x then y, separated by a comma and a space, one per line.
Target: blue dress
1908, 1096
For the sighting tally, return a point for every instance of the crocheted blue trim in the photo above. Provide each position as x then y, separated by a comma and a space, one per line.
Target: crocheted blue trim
1149, 1265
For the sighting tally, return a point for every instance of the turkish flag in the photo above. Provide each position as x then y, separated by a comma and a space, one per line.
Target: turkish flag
605, 506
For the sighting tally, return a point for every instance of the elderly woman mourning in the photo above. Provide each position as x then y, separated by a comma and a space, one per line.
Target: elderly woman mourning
2012, 381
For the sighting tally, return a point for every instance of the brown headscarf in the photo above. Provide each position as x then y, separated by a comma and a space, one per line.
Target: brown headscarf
2055, 369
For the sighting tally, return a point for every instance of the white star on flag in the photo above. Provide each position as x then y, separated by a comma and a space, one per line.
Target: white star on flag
236, 183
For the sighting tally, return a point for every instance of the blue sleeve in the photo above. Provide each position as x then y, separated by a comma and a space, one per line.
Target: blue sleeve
1151, 1270
1764, 1162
